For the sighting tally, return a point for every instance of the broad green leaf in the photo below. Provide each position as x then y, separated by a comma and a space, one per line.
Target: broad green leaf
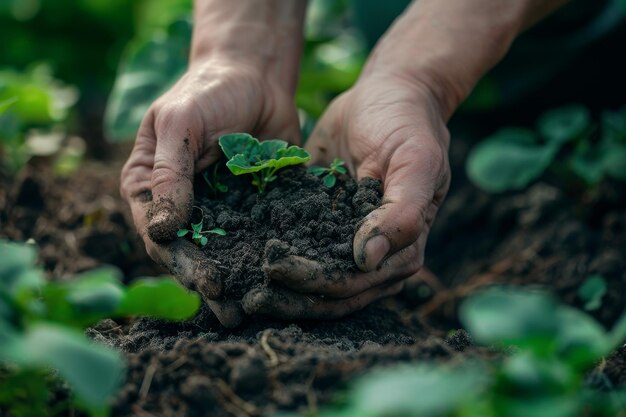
149, 67
564, 124
17, 268
419, 390
182, 232
161, 298
239, 165
588, 163
235, 143
270, 148
548, 406
341, 170
94, 372
218, 231
581, 340
592, 291
203, 240
615, 162
508, 160
5, 104
527, 372
196, 227
330, 180
511, 316
293, 155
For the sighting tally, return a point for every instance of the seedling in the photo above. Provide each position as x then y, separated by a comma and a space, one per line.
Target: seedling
331, 173
214, 183
246, 155
198, 235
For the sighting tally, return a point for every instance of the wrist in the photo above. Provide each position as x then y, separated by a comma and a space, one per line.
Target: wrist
265, 34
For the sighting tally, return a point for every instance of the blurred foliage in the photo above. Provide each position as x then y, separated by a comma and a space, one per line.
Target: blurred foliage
547, 349
42, 325
29, 100
566, 141
332, 60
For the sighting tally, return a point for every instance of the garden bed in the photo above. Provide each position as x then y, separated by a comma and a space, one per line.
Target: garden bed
540, 237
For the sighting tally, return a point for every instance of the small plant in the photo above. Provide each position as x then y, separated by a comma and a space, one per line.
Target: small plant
331, 173
566, 142
42, 327
214, 183
246, 155
197, 234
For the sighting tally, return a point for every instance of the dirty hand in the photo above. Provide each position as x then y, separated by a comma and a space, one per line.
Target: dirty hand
178, 139
386, 128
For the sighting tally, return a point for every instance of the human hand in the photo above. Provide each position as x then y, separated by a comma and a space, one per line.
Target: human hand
178, 139
388, 128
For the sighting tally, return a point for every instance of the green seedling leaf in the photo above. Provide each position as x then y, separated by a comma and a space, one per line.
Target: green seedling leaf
5, 104
293, 155
581, 341
508, 160
182, 232
330, 180
592, 291
218, 231
196, 227
270, 148
564, 124
162, 298
17, 268
422, 390
528, 372
615, 162
204, 241
235, 143
317, 171
341, 170
239, 165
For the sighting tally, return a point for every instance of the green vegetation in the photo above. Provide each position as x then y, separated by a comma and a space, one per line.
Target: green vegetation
246, 155
592, 291
197, 234
546, 350
331, 173
42, 324
566, 142
214, 182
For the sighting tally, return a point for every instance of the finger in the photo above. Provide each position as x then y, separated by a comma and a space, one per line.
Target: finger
228, 312
286, 304
310, 277
172, 174
414, 186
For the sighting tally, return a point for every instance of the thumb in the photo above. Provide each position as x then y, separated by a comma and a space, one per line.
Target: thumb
414, 186
172, 181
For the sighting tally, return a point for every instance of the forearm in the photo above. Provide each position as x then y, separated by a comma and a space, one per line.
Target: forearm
448, 45
263, 33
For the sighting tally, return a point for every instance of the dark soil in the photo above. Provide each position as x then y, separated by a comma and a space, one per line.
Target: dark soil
296, 215
542, 237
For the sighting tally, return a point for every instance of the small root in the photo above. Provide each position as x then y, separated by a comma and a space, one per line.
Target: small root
271, 354
147, 379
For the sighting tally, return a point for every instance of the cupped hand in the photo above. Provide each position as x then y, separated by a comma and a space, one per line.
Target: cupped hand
388, 128
178, 139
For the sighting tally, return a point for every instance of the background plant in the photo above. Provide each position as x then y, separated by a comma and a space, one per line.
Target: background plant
565, 140
42, 323
262, 160
547, 349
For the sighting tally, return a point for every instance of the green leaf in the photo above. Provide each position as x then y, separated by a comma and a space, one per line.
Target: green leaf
527, 372
236, 143
422, 390
270, 148
330, 180
317, 171
5, 104
182, 232
341, 170
592, 291
615, 162
239, 165
203, 241
564, 124
218, 231
149, 67
221, 187
293, 155
17, 268
588, 162
161, 298
511, 316
196, 227
581, 341
94, 372
508, 160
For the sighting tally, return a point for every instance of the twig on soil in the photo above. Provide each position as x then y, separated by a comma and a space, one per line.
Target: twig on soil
311, 398
242, 405
265, 345
175, 365
147, 379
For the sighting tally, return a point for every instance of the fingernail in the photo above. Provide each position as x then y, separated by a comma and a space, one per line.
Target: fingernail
376, 248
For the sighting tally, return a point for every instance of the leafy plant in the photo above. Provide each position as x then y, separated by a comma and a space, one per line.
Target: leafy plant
547, 350
331, 173
214, 183
565, 141
592, 291
246, 155
42, 323
197, 234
